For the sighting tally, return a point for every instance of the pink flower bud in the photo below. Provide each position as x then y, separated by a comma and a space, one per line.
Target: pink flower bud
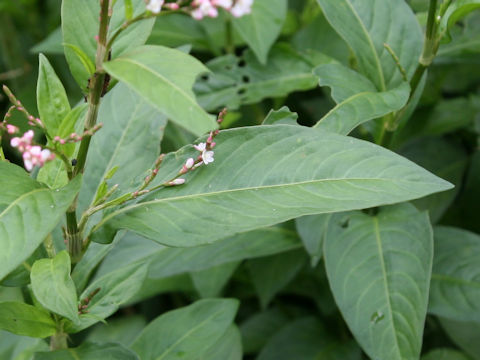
11, 129
178, 181
189, 163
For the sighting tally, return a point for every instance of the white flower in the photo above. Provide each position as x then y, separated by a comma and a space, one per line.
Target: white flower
155, 6
207, 157
201, 147
203, 8
178, 181
242, 7
226, 4
189, 163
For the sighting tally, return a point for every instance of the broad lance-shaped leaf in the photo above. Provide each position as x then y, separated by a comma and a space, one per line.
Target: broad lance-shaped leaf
164, 77
52, 100
228, 347
80, 23
371, 24
28, 213
129, 139
24, 319
266, 175
188, 331
261, 27
53, 287
312, 232
379, 271
455, 288
89, 351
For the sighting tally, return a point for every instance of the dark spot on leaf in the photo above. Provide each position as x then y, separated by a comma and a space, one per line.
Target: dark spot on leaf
241, 91
344, 223
242, 63
245, 79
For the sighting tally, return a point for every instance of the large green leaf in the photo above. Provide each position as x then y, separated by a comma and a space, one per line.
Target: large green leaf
379, 271
32, 213
235, 81
16, 347
210, 282
129, 139
455, 288
393, 24
53, 287
186, 332
112, 290
164, 77
465, 335
52, 100
261, 28
23, 319
89, 351
265, 175
80, 23
312, 232
121, 330
228, 347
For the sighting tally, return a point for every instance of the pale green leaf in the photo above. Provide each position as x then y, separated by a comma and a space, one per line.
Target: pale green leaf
186, 331
456, 10
53, 287
281, 116
210, 282
262, 26
312, 232
455, 288
121, 330
17, 347
90, 351
23, 319
80, 23
228, 347
53, 174
52, 100
366, 25
263, 175
32, 213
164, 78
379, 269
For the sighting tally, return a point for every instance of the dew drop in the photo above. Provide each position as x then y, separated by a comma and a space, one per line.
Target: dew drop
376, 317
57, 190
52, 206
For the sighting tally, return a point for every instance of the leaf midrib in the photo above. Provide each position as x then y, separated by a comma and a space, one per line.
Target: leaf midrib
20, 198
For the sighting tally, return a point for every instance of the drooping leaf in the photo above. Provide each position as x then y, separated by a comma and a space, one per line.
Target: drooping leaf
455, 288
312, 232
379, 271
53, 287
236, 81
261, 27
465, 335
108, 292
266, 175
394, 24
228, 347
89, 351
130, 140
270, 274
52, 100
186, 332
28, 213
164, 78
23, 319
210, 282
80, 23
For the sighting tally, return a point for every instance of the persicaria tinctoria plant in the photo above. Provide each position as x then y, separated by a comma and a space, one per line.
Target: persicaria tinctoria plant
240, 179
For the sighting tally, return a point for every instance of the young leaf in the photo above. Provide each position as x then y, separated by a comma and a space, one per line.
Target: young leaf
394, 24
312, 232
379, 271
128, 141
52, 101
80, 23
108, 292
209, 282
188, 331
455, 288
164, 78
89, 351
23, 319
28, 213
261, 28
266, 175
53, 287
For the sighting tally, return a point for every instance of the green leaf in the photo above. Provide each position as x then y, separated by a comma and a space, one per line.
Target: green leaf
89, 351
16, 347
52, 100
52, 44
228, 347
364, 106
236, 81
164, 77
53, 174
128, 140
53, 287
32, 213
121, 330
128, 9
261, 28
455, 11
186, 332
455, 287
210, 282
21, 275
445, 354
263, 175
464, 334
80, 23
312, 232
115, 289
23, 319
73, 122
270, 274
379, 271
394, 24
281, 116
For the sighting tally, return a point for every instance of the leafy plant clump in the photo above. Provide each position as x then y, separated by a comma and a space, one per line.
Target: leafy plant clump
240, 179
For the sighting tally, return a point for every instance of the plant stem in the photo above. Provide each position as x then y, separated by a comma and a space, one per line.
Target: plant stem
96, 84
59, 340
229, 43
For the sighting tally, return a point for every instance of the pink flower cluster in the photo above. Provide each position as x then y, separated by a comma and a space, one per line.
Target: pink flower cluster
33, 155
237, 8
